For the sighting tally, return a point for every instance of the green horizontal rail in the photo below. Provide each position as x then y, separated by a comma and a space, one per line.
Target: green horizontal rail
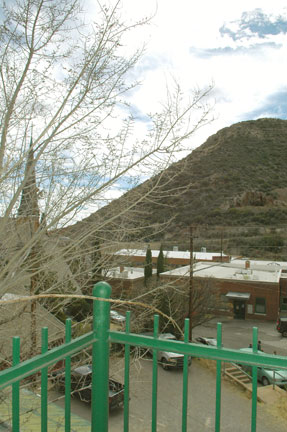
99, 339
197, 350
31, 366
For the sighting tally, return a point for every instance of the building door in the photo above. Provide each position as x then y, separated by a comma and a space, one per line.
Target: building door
239, 309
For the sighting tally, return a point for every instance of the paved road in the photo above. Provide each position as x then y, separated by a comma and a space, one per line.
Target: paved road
236, 406
238, 334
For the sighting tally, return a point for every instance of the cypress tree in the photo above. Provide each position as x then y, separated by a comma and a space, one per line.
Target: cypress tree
160, 262
148, 265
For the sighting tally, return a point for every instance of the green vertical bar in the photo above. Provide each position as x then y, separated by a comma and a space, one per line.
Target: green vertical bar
185, 380
68, 337
254, 382
127, 377
44, 384
218, 381
16, 387
100, 359
154, 378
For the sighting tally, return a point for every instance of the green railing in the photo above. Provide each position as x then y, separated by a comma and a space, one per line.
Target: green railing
99, 339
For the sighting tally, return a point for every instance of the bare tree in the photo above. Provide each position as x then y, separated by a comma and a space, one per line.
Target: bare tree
66, 124
172, 298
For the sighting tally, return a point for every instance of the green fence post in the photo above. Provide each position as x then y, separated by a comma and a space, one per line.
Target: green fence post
100, 358
218, 381
154, 377
185, 380
44, 384
254, 382
16, 387
68, 338
127, 376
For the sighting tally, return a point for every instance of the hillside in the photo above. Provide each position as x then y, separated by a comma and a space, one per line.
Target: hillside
236, 178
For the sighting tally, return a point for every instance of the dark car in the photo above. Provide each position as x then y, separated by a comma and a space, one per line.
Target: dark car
206, 340
81, 385
281, 325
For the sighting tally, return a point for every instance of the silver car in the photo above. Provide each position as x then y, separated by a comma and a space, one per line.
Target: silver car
116, 317
267, 376
168, 360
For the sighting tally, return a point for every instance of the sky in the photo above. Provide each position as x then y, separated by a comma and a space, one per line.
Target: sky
239, 47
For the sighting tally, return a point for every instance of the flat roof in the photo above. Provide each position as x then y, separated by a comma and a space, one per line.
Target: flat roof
260, 270
227, 271
170, 254
268, 265
127, 273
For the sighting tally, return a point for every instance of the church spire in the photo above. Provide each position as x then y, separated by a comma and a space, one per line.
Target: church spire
29, 199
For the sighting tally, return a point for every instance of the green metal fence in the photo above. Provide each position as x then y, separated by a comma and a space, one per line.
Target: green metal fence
99, 339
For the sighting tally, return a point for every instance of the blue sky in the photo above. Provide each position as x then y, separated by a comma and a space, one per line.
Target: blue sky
240, 47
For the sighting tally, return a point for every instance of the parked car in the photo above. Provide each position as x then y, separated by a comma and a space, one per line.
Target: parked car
267, 375
169, 360
281, 325
116, 317
206, 340
81, 385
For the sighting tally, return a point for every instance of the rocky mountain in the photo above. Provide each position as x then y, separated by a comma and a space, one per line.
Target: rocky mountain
236, 178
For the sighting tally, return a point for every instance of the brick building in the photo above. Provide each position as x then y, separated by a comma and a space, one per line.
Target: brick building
247, 289
127, 277
127, 282
175, 258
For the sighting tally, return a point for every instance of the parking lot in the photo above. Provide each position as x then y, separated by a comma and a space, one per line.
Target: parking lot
238, 334
236, 403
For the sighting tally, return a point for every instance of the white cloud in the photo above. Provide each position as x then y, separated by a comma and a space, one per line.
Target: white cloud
184, 41
244, 78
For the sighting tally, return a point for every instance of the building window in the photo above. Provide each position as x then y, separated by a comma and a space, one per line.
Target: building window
260, 305
284, 303
224, 303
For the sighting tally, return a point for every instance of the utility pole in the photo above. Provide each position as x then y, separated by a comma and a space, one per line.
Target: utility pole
190, 306
221, 243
